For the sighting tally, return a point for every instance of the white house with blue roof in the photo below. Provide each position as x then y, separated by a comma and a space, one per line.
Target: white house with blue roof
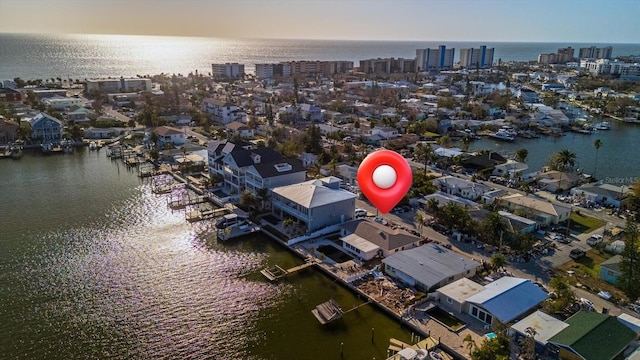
505, 299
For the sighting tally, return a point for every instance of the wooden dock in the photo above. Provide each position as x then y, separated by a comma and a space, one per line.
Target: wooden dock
327, 312
426, 345
183, 201
199, 215
276, 272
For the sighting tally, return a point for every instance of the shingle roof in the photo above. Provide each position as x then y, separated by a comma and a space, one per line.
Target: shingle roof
267, 170
385, 237
509, 297
612, 263
537, 204
594, 336
430, 264
166, 130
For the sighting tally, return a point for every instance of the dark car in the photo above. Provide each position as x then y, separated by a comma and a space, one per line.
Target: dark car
577, 254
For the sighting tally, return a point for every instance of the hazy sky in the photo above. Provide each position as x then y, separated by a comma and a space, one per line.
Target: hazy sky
604, 21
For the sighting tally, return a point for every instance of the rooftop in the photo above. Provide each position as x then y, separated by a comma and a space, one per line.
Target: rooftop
313, 194
545, 326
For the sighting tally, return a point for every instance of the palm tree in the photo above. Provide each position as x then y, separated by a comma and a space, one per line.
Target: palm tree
424, 152
521, 155
262, 195
419, 220
596, 144
432, 205
471, 344
466, 141
563, 159
444, 140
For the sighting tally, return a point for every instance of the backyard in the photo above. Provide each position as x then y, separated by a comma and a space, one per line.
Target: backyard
586, 272
583, 223
446, 319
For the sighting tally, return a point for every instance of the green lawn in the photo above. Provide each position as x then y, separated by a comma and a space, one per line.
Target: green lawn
583, 223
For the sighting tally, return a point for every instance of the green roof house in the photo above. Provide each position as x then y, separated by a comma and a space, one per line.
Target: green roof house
592, 336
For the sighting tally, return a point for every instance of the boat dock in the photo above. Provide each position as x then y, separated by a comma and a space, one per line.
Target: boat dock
246, 228
276, 272
182, 201
327, 312
199, 215
424, 346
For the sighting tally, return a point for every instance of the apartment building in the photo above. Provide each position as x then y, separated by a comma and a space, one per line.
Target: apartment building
595, 52
476, 58
437, 59
118, 85
269, 71
316, 67
605, 66
565, 55
227, 70
387, 65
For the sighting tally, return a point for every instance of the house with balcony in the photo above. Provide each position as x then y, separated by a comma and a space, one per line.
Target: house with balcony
366, 239
223, 111
315, 203
79, 114
274, 174
541, 211
46, 129
429, 266
461, 187
511, 169
170, 135
232, 160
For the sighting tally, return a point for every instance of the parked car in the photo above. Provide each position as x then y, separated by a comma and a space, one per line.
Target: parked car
361, 212
594, 240
577, 254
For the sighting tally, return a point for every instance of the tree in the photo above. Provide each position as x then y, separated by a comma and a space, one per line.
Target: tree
471, 344
498, 260
424, 152
564, 295
444, 140
492, 228
248, 200
562, 160
466, 142
528, 344
596, 144
262, 196
630, 262
419, 220
521, 155
496, 348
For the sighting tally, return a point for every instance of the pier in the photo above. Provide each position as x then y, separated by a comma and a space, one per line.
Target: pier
276, 272
327, 312
182, 201
199, 215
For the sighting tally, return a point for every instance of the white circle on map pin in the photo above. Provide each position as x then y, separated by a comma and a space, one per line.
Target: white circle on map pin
384, 176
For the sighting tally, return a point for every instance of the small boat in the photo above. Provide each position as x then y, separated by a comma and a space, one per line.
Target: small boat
502, 135
93, 146
603, 125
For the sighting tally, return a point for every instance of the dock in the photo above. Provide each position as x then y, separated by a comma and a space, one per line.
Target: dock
182, 201
327, 312
276, 272
199, 215
237, 231
424, 346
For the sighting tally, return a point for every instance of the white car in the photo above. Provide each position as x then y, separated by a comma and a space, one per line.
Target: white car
361, 212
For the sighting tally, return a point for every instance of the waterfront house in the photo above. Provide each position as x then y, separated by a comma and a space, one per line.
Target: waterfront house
505, 299
101, 133
46, 128
544, 327
232, 160
543, 212
604, 194
429, 266
274, 174
511, 169
170, 135
453, 297
223, 111
79, 114
610, 269
593, 336
385, 132
555, 181
63, 102
8, 130
461, 187
486, 160
386, 241
237, 128
315, 203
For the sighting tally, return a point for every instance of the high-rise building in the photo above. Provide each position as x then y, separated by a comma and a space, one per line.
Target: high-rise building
387, 65
437, 59
311, 68
227, 70
476, 58
269, 71
595, 52
565, 55
550, 58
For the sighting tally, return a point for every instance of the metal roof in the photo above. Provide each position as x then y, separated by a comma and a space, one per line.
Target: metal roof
430, 264
313, 195
545, 326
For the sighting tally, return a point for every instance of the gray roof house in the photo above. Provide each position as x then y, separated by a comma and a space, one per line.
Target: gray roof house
429, 266
385, 239
544, 326
461, 187
605, 194
275, 174
315, 203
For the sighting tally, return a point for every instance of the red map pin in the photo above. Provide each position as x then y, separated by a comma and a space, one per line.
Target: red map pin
384, 178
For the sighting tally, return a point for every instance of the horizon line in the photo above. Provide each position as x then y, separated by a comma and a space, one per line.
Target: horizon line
316, 39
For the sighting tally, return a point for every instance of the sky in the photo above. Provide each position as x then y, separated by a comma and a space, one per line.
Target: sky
592, 21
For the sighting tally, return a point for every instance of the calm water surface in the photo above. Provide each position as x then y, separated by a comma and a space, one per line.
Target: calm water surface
92, 265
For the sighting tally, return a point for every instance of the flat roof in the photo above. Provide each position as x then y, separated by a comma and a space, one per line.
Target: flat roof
545, 326
360, 243
461, 290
